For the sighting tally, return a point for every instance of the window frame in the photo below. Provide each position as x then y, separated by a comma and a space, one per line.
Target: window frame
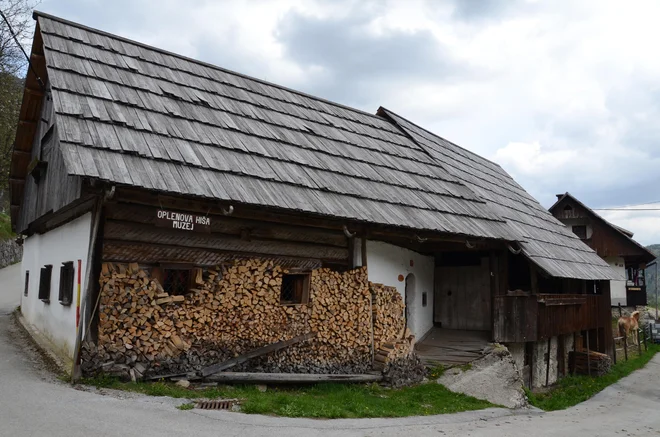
303, 281
581, 227
27, 283
160, 273
67, 282
45, 280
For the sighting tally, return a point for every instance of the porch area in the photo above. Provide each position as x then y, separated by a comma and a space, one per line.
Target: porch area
451, 347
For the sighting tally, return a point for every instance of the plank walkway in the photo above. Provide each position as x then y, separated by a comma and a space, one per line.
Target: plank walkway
451, 347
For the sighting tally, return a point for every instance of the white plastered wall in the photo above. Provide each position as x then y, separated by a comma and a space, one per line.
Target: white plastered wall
617, 288
385, 262
69, 242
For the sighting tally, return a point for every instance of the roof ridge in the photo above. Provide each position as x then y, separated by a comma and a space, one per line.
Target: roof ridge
442, 138
36, 14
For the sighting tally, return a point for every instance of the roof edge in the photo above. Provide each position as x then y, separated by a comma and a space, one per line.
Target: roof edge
621, 231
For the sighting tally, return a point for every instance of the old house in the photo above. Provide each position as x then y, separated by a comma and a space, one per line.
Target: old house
612, 243
202, 213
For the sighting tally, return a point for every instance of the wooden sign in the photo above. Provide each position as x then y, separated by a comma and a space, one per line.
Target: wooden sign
183, 221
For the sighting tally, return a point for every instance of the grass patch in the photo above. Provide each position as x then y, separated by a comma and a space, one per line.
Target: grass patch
327, 401
572, 390
186, 407
5, 228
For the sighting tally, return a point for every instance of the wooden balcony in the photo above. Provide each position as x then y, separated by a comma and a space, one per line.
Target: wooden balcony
541, 316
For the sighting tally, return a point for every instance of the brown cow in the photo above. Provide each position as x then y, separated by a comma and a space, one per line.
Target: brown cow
627, 324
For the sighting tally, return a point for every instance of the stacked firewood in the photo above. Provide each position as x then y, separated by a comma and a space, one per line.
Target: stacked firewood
392, 340
394, 350
388, 314
600, 364
234, 309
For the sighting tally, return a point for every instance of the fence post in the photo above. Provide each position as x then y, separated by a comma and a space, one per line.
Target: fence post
620, 315
625, 346
639, 343
588, 356
646, 345
614, 349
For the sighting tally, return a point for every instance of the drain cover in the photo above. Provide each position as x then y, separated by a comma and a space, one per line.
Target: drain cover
218, 404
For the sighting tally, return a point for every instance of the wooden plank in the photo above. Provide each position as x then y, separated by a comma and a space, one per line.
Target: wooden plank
293, 378
255, 353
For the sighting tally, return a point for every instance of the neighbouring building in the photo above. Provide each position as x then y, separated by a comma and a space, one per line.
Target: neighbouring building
612, 243
205, 213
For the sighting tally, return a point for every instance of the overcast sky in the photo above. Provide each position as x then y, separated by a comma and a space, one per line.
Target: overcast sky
565, 95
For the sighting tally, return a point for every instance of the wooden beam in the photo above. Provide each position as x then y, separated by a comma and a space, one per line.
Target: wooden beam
34, 91
255, 353
17, 181
148, 234
234, 225
22, 152
293, 378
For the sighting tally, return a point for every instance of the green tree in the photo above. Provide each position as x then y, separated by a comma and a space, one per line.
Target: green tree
13, 66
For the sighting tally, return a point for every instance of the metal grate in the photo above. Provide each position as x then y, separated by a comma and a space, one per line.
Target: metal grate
218, 404
295, 289
176, 282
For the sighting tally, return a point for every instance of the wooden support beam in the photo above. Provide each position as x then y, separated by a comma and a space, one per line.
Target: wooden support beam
293, 378
255, 353
22, 152
16, 181
34, 92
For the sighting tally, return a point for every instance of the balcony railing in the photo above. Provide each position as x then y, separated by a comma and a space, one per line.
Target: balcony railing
541, 316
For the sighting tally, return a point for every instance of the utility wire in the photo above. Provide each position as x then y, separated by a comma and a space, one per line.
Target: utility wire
626, 209
13, 34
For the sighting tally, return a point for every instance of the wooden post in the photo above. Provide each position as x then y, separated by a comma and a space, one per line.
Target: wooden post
625, 347
588, 356
572, 368
614, 351
547, 366
639, 343
531, 367
646, 346
620, 314
363, 249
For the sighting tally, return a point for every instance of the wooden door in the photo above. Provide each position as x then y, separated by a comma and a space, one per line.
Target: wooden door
462, 297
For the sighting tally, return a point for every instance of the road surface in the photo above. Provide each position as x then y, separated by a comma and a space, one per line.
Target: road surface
35, 403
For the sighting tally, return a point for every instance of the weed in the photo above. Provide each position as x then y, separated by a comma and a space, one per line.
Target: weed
572, 390
185, 407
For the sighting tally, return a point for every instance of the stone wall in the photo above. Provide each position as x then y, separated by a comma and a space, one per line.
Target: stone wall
10, 253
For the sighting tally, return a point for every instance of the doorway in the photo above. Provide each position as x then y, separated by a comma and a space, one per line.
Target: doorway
410, 302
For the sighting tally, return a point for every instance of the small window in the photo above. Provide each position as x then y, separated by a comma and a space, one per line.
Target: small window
27, 283
44, 283
176, 282
580, 231
66, 283
295, 289
568, 208
424, 299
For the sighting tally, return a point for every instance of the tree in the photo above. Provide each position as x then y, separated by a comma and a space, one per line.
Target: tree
12, 72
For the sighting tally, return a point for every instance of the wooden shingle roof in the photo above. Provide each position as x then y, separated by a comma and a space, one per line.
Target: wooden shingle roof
138, 116
543, 238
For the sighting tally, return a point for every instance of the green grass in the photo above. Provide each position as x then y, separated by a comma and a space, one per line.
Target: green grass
185, 407
5, 228
572, 390
326, 401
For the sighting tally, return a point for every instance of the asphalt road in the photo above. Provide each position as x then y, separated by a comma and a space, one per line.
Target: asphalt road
35, 403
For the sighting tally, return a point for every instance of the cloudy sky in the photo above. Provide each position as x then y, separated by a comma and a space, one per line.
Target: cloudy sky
565, 95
